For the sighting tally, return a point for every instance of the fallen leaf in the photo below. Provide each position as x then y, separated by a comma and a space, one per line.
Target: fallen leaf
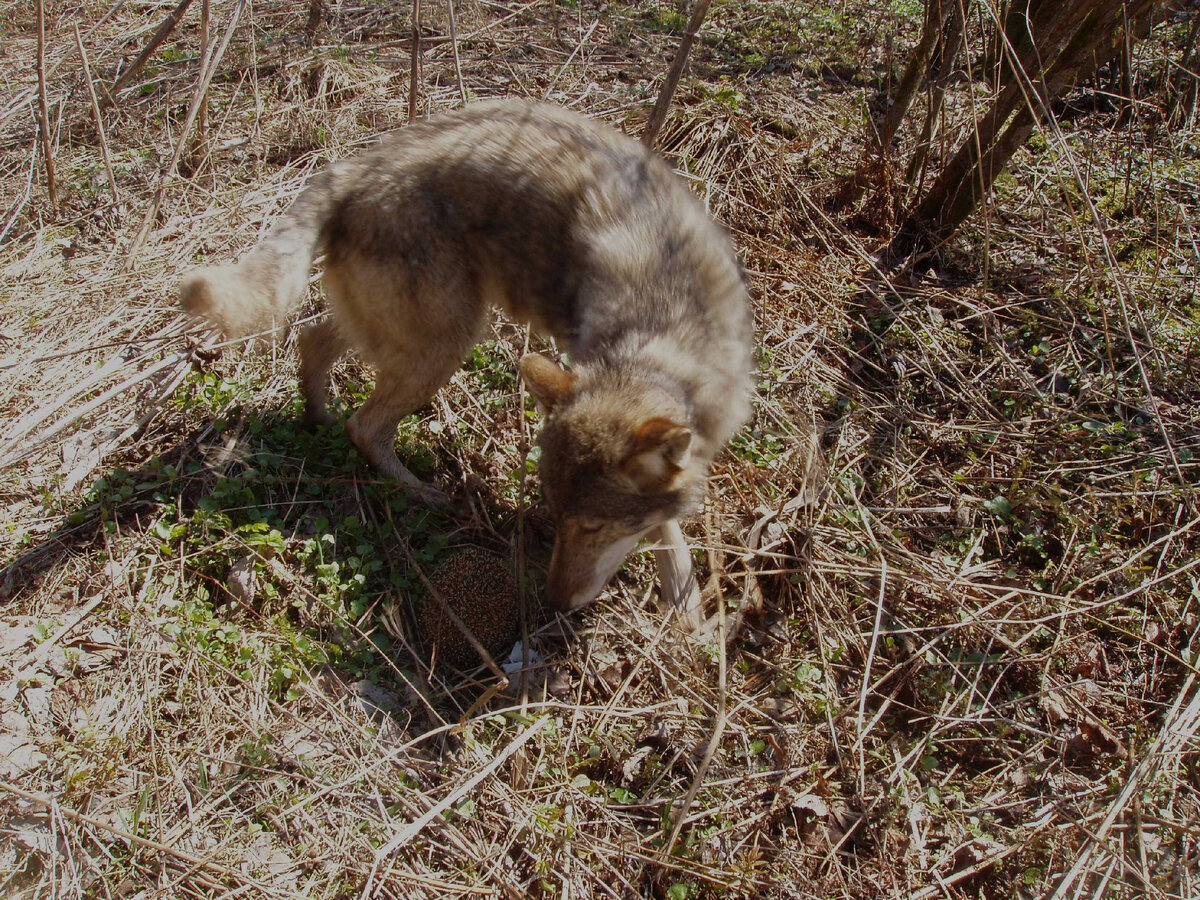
18, 751
812, 804
14, 636
242, 580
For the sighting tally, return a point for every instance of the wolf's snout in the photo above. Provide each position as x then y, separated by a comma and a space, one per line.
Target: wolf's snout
566, 590
582, 564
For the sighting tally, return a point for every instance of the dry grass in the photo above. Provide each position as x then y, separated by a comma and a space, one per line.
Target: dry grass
963, 667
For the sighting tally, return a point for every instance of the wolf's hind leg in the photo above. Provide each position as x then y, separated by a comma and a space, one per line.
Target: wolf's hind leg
373, 425
676, 578
320, 346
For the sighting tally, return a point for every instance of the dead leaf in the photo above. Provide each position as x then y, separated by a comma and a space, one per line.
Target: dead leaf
242, 580
18, 751
811, 804
15, 635
633, 765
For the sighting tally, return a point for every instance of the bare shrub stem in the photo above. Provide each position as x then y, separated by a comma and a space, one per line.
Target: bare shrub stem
661, 106
43, 111
206, 73
202, 116
458, 78
163, 32
414, 71
96, 114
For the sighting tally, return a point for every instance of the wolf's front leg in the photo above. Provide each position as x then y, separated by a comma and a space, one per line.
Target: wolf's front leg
676, 577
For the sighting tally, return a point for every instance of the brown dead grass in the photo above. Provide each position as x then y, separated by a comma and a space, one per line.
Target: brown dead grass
962, 655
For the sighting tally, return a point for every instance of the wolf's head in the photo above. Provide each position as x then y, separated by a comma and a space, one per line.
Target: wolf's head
617, 461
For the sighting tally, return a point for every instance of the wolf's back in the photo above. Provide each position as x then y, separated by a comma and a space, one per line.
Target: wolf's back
260, 290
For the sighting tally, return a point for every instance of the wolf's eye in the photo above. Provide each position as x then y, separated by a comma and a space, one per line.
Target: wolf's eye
591, 527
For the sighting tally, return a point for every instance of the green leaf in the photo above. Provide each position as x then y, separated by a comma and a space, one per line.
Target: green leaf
999, 506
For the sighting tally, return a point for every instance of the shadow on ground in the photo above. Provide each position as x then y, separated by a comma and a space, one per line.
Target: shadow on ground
253, 518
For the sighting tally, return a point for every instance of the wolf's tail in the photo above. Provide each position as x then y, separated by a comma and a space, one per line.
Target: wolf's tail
273, 277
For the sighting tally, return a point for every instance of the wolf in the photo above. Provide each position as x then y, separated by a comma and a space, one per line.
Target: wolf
560, 221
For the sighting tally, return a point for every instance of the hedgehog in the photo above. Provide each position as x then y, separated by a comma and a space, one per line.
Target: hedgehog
481, 590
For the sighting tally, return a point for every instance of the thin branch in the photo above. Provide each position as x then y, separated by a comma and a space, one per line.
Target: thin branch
43, 111
163, 32
206, 74
80, 819
462, 91
714, 740
202, 116
412, 829
570, 59
91, 86
414, 70
661, 106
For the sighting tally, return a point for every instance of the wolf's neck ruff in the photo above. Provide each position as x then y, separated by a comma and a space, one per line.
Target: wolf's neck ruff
562, 222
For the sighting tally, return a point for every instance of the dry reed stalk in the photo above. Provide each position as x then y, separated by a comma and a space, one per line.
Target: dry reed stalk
26, 191
174, 852
680, 812
161, 34
97, 116
570, 59
43, 112
412, 829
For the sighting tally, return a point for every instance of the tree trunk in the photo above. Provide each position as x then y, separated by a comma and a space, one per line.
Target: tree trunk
1049, 45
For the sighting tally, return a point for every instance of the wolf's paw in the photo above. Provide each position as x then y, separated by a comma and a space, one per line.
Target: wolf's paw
432, 497
321, 417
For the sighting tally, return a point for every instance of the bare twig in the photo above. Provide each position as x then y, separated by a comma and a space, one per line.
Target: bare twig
27, 191
414, 71
87, 77
43, 112
163, 32
714, 740
1178, 731
570, 59
661, 106
81, 819
412, 829
458, 77
202, 116
206, 74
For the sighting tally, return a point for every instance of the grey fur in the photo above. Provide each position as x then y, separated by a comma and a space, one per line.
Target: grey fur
563, 222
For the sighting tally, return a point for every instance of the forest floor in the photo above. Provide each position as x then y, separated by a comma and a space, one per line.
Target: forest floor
959, 544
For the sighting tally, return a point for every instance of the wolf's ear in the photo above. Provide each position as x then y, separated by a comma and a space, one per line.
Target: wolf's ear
659, 450
549, 382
